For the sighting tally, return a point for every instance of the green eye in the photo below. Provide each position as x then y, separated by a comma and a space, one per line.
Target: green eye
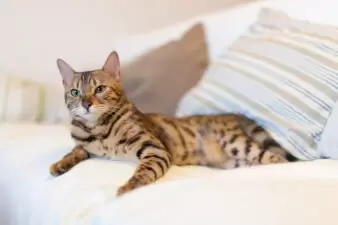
100, 89
74, 92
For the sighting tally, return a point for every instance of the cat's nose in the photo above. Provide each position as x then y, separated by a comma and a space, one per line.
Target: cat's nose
86, 103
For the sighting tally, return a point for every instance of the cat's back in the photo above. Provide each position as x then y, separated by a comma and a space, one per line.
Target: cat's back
200, 120
181, 134
184, 130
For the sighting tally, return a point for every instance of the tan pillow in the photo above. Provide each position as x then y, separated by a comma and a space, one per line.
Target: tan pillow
158, 79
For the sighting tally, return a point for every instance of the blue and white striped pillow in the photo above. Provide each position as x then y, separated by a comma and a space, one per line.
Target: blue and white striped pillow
281, 72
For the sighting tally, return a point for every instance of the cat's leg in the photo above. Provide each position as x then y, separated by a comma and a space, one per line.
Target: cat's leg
77, 155
155, 161
211, 152
240, 150
240, 146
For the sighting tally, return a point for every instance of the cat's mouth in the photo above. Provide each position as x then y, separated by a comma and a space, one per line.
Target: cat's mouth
85, 115
90, 115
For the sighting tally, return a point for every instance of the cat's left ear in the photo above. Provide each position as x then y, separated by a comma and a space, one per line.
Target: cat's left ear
66, 71
112, 65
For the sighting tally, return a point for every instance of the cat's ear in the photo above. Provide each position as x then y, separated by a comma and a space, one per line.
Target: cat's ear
112, 65
66, 71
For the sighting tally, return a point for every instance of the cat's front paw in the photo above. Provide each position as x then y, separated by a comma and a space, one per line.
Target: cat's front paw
58, 168
130, 186
124, 189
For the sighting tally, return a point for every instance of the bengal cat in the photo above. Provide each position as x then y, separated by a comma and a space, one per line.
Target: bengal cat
105, 123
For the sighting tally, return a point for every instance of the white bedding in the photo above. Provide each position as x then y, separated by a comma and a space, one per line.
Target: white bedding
41, 199
86, 194
257, 198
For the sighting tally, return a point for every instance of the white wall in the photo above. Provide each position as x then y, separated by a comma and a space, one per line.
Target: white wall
35, 32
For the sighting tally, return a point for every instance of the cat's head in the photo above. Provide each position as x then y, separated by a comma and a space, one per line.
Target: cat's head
90, 94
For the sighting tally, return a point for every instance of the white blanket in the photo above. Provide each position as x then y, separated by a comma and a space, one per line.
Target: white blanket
258, 198
30, 196
27, 151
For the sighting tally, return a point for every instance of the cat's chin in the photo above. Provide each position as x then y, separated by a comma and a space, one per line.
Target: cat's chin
87, 117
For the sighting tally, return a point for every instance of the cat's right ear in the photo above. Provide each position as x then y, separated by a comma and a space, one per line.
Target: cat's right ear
66, 71
112, 65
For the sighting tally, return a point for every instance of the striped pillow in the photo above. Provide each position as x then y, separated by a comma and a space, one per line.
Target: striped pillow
281, 72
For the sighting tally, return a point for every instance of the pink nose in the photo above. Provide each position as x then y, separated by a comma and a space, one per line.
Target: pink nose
86, 103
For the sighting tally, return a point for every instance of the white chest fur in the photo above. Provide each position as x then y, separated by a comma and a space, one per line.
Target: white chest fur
109, 149
105, 147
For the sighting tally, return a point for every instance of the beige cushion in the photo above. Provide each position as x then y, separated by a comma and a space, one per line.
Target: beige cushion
24, 100
20, 99
157, 80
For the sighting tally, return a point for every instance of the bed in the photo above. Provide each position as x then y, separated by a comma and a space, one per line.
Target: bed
297, 193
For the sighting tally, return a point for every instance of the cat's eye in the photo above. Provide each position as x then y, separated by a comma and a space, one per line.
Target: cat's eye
100, 89
74, 92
